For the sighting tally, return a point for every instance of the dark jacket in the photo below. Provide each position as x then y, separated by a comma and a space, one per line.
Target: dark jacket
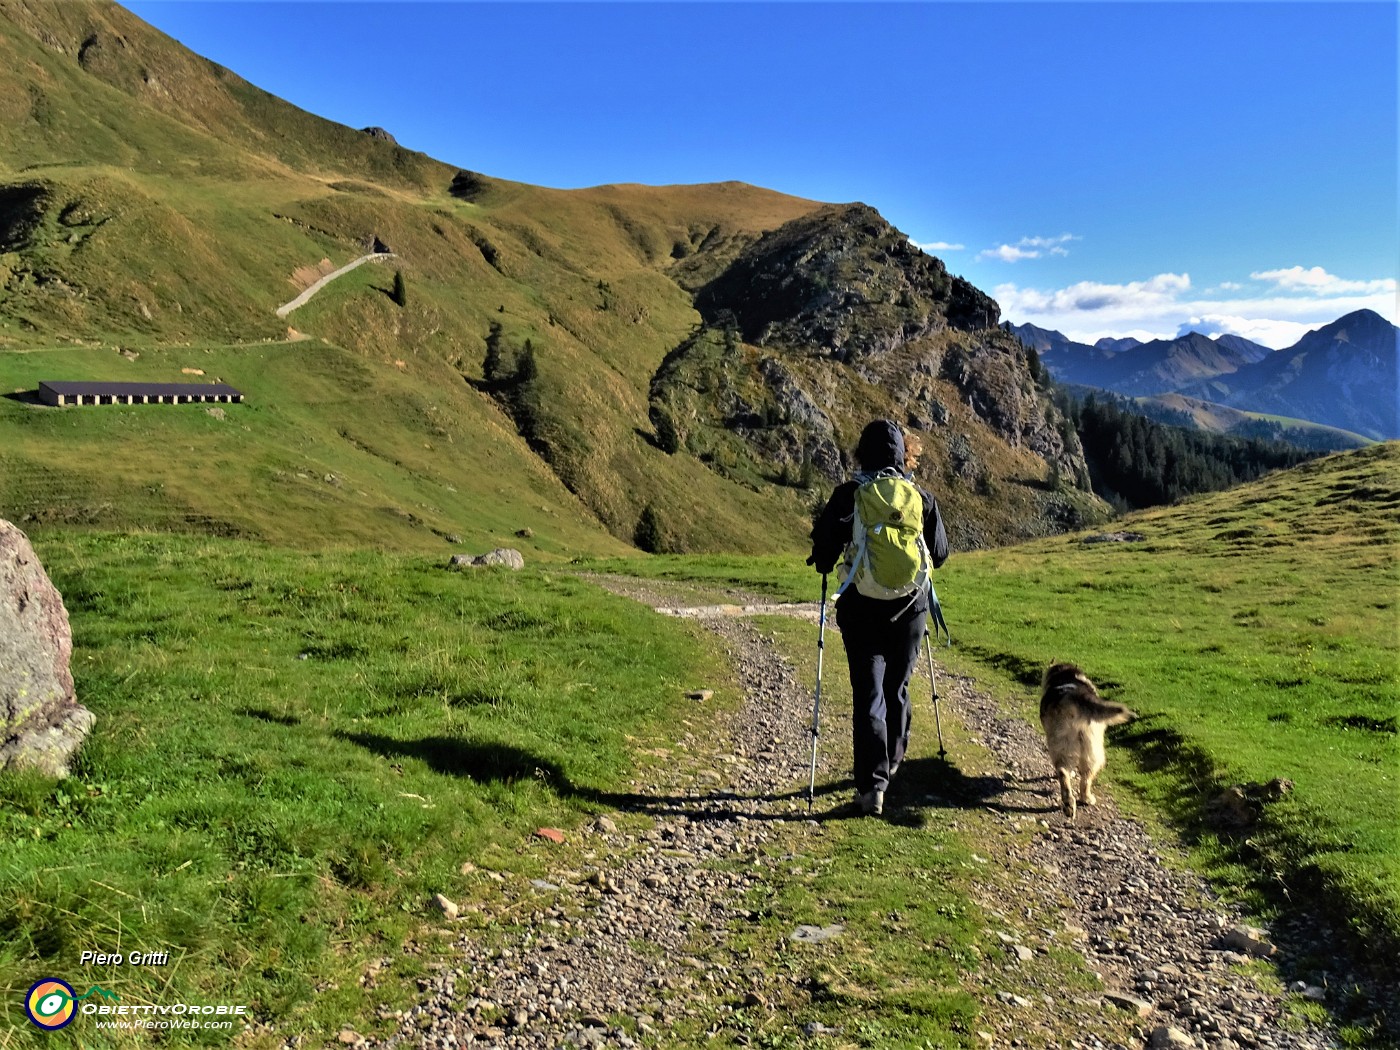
881, 445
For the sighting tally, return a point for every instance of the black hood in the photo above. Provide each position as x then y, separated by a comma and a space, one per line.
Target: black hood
881, 445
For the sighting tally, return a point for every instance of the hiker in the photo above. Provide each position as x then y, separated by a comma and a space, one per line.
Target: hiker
881, 634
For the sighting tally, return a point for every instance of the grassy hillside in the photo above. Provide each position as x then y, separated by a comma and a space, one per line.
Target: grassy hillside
1188, 411
330, 450
152, 200
78, 67
218, 199
1256, 633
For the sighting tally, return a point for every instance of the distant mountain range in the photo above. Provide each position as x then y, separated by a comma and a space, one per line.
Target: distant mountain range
1343, 375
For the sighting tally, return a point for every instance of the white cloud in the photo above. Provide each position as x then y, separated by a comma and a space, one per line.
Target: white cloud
1091, 297
1029, 248
1165, 305
936, 246
1318, 281
1008, 253
1261, 330
1048, 242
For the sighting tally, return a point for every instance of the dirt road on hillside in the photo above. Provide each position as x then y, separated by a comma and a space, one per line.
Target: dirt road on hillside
305, 296
618, 937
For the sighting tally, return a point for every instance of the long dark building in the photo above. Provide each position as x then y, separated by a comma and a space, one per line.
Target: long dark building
61, 393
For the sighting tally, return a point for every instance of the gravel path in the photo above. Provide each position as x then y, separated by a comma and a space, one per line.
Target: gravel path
549, 962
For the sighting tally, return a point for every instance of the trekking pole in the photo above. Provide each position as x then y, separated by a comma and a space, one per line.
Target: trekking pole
817, 704
933, 685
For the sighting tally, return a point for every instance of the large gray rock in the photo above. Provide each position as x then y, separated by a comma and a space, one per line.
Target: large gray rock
506, 556
41, 721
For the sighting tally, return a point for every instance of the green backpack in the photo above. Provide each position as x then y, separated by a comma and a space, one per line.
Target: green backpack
887, 557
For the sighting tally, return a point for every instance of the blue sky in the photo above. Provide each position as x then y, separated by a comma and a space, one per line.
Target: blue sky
1101, 168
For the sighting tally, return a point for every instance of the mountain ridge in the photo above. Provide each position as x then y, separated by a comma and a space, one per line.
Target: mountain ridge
1327, 377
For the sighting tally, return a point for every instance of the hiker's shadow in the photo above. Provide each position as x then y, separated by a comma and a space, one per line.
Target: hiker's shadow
924, 785
479, 761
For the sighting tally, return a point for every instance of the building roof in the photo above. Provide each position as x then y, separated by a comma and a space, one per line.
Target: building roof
85, 388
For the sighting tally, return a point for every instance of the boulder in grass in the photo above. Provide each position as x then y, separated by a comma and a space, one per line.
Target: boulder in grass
503, 556
41, 722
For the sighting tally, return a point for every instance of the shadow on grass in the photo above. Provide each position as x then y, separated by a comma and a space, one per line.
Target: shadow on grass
477, 761
26, 397
1027, 672
262, 714
923, 785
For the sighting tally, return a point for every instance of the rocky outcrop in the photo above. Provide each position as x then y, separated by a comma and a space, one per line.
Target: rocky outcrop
816, 441
41, 722
469, 185
993, 377
22, 208
841, 289
841, 281
381, 135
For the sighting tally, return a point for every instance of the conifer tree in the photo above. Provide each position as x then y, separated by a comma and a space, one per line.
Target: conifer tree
492, 365
648, 535
525, 367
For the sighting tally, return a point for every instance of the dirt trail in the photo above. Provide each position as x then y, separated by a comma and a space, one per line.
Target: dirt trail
615, 937
301, 300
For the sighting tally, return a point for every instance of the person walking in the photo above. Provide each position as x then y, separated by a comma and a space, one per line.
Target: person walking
881, 634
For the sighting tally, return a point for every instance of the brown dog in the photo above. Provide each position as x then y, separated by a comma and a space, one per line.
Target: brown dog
1074, 717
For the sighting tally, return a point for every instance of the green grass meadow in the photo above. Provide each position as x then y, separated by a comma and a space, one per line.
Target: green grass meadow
295, 752
1255, 633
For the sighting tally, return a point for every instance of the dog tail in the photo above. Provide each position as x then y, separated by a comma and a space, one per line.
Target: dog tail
1065, 683
1098, 709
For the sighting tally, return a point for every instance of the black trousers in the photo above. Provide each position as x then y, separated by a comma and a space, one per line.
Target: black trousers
881, 654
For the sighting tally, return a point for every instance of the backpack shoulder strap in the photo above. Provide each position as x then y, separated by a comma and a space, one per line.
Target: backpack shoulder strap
856, 553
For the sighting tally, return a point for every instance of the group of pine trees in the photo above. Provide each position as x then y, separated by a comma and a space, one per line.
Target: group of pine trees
1136, 462
511, 378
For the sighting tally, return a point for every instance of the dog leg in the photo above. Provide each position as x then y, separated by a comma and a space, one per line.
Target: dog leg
1091, 765
1088, 770
1086, 792
1066, 791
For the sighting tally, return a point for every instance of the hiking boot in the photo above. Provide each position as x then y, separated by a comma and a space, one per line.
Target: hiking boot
871, 803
